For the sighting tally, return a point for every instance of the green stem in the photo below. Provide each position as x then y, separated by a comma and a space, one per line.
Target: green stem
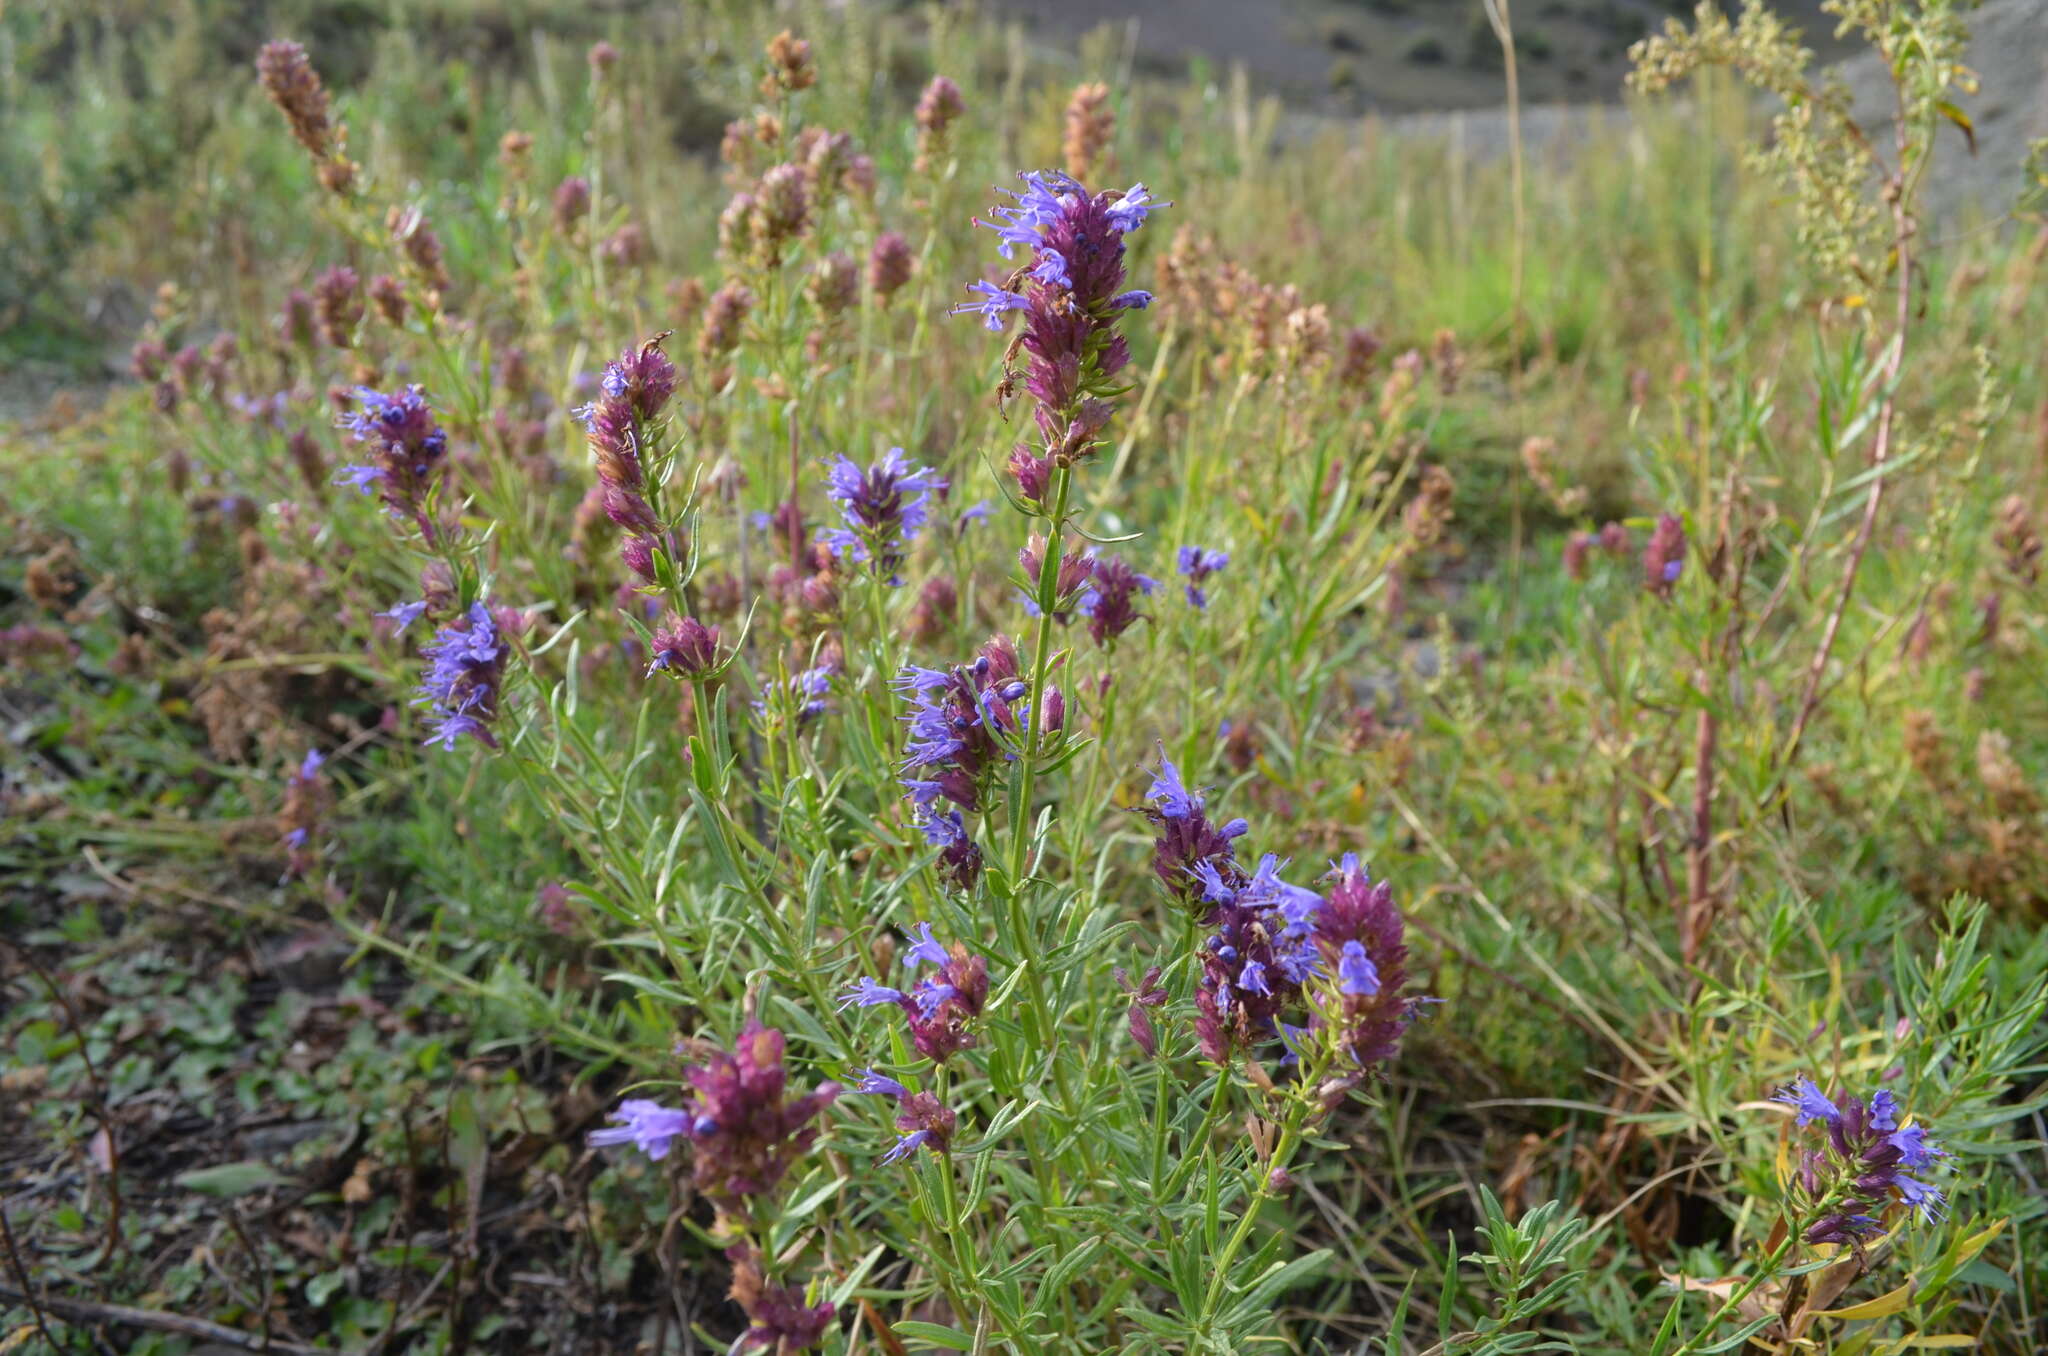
1763, 1273
1048, 597
1290, 1137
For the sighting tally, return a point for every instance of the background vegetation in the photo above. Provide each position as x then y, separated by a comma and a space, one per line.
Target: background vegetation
1662, 845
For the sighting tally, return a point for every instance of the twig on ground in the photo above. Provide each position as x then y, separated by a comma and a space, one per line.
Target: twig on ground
156, 1320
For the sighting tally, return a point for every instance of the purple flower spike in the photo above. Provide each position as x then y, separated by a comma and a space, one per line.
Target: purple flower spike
1197, 564
1858, 1160
409, 449
745, 1128
959, 722
779, 1322
940, 1005
465, 664
884, 507
1072, 295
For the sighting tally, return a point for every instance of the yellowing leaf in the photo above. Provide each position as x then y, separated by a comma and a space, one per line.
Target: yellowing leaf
1947, 1341
1889, 1302
1976, 1242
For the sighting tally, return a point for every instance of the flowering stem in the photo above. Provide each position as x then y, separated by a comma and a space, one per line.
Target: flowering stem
1048, 591
1729, 1306
1290, 1137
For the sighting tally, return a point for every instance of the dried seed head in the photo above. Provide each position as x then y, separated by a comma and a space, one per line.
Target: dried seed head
1091, 125
890, 264
571, 203
387, 294
789, 65
338, 304
512, 149
294, 86
724, 318
937, 107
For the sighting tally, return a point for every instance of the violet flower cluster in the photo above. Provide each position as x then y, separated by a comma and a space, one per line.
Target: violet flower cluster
1109, 599
1664, 557
778, 1319
1104, 589
1071, 294
1197, 563
961, 722
805, 697
884, 507
305, 801
685, 647
1860, 1164
743, 1128
941, 1004
1276, 949
1188, 849
924, 1121
465, 667
408, 450
632, 393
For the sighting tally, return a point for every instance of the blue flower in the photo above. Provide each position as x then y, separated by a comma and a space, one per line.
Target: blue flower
1197, 564
363, 478
906, 1146
1051, 268
926, 949
1214, 888
924, 793
1916, 1150
1036, 208
995, 303
932, 993
1884, 1110
1811, 1102
1170, 793
1137, 299
1356, 974
1298, 958
867, 993
1919, 1196
1128, 213
881, 1085
405, 614
648, 1126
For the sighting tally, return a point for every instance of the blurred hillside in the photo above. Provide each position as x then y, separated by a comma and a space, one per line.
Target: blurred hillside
1390, 56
